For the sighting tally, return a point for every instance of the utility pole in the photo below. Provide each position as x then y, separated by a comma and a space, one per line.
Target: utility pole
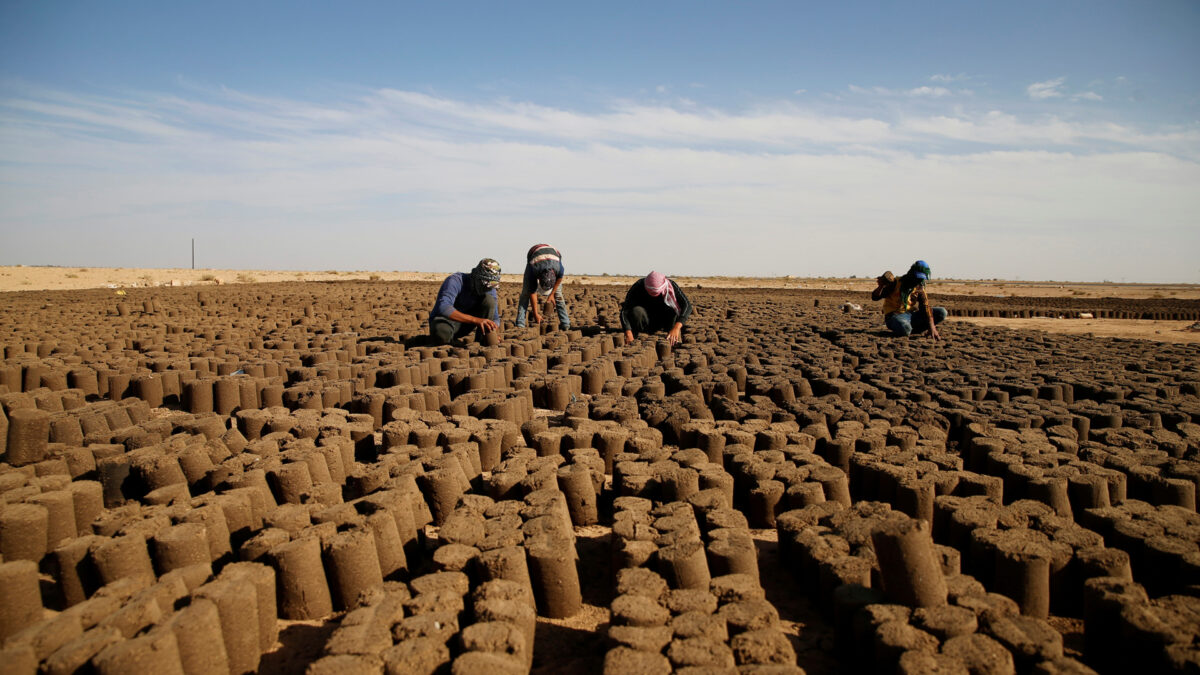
193, 254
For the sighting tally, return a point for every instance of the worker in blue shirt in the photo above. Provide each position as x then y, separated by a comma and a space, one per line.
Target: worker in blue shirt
466, 301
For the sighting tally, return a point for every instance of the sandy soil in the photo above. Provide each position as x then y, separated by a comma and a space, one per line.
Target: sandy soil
1159, 331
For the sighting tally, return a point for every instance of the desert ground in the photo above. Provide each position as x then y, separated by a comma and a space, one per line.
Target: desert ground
41, 278
277, 472
27, 278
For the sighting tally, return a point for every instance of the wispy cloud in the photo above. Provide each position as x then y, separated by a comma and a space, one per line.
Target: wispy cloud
1046, 89
380, 177
1087, 96
944, 77
934, 92
914, 92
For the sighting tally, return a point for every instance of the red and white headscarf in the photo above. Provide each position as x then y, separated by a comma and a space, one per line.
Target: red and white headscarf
657, 284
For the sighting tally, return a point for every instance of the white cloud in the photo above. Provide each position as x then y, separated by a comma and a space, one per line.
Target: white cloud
868, 90
916, 92
1046, 89
942, 77
386, 179
1088, 96
933, 92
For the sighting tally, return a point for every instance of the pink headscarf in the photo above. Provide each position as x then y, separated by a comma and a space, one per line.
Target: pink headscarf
657, 284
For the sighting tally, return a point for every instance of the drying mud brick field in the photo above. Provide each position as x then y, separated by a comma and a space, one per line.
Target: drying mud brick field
284, 477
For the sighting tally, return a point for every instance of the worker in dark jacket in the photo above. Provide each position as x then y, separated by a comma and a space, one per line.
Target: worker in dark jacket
466, 301
655, 304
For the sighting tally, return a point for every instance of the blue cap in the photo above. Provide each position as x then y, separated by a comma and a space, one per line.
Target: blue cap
920, 270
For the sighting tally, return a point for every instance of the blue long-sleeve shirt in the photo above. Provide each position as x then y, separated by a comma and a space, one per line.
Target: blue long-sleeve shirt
458, 293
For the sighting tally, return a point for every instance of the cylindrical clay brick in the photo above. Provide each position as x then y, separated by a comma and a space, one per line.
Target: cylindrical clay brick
510, 602
353, 565
388, 543
77, 575
88, 496
684, 565
554, 575
303, 589
60, 509
263, 579
20, 598
122, 557
238, 609
1023, 574
506, 563
24, 530
909, 564
180, 546
576, 484
28, 434
76, 655
732, 554
197, 630
154, 652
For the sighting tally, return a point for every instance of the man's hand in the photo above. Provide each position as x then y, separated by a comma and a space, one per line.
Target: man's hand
534, 314
933, 333
550, 303
675, 334
486, 325
628, 337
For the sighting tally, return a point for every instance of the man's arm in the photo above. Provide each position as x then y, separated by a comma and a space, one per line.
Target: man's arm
630, 297
552, 299
685, 305
487, 325
530, 282
886, 285
447, 294
928, 308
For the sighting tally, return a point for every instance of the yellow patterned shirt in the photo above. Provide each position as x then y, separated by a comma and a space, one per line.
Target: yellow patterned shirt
896, 302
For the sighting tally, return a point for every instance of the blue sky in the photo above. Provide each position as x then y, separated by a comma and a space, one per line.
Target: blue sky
1024, 140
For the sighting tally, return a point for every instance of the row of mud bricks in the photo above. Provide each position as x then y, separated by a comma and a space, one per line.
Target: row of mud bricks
688, 595
284, 511
1185, 315
379, 483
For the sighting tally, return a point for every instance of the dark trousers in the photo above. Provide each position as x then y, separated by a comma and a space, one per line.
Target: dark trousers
907, 323
443, 330
642, 321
